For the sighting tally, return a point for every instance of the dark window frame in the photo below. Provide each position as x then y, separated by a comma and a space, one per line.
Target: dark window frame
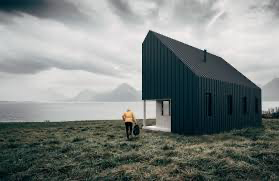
208, 104
169, 107
162, 108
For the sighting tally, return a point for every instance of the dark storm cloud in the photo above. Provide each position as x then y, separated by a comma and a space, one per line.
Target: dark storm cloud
59, 10
33, 65
5, 18
273, 6
123, 9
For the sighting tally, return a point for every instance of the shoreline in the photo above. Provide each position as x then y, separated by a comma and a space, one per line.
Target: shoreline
67, 121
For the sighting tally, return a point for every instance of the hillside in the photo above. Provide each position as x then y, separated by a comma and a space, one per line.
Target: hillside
123, 93
86, 95
270, 91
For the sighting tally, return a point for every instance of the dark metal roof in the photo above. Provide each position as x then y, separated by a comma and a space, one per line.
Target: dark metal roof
214, 68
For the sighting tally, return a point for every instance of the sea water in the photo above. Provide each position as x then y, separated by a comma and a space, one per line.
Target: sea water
70, 111
73, 111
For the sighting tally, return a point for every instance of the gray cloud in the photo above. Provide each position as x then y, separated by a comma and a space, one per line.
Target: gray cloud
23, 66
5, 18
256, 68
194, 12
266, 7
46, 53
123, 9
59, 10
35, 64
181, 12
273, 6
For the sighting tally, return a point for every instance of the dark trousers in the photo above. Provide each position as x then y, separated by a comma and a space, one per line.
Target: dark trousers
129, 126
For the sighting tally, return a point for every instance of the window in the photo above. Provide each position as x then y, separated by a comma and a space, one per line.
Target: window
165, 108
256, 105
229, 101
208, 104
244, 105
162, 108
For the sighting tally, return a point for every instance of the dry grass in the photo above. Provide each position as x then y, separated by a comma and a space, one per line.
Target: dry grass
98, 150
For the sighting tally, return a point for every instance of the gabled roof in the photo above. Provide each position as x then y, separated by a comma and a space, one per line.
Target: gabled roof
214, 68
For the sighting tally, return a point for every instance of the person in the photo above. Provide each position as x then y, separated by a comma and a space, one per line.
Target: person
129, 118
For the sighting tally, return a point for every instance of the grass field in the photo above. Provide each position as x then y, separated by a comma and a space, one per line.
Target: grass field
98, 150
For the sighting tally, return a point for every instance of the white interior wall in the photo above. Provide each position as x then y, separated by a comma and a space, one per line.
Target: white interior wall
162, 121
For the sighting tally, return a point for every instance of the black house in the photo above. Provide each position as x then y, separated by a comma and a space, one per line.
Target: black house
196, 92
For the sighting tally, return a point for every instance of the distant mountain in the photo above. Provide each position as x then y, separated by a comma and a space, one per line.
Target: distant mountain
270, 91
86, 95
122, 93
49, 95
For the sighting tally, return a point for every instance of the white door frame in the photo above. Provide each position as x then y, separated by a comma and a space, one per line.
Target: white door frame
144, 108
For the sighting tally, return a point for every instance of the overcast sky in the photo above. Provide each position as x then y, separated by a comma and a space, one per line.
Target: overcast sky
50, 48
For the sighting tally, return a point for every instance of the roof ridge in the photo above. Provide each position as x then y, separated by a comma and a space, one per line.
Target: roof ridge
185, 43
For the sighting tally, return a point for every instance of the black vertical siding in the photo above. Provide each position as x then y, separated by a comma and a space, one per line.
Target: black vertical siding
165, 76
220, 119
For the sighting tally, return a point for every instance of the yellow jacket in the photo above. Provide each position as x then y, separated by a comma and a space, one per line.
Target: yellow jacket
129, 117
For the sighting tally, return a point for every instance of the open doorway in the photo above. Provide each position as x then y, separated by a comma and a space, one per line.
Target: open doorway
163, 116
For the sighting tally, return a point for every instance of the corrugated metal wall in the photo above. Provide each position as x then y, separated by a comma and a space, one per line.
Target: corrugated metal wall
164, 76
220, 119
